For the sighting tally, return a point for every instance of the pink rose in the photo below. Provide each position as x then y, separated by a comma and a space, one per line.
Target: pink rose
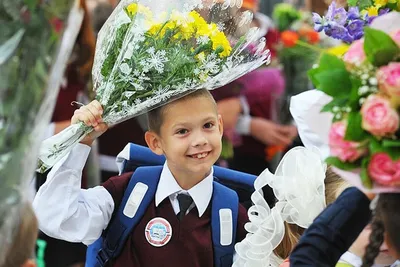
396, 37
355, 55
383, 170
343, 149
378, 117
389, 79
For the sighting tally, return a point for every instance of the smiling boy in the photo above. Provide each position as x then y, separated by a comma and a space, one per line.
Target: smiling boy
188, 132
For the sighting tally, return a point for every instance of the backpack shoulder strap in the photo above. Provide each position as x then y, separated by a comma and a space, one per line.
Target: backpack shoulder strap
224, 216
137, 197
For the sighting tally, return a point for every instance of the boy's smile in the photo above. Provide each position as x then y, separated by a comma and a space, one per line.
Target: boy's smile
190, 138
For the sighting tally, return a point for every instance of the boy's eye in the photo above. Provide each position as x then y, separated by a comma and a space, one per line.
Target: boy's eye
208, 125
182, 131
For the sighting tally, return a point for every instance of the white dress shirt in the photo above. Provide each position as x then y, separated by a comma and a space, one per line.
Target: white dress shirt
67, 212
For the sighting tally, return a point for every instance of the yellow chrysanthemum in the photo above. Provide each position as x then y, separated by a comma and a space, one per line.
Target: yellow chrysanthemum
154, 28
187, 31
132, 8
207, 30
380, 2
145, 11
373, 10
181, 19
219, 39
339, 50
198, 20
135, 8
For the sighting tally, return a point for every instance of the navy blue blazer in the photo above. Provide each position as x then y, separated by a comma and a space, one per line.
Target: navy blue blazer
333, 231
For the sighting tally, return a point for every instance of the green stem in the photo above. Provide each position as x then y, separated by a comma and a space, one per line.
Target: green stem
307, 45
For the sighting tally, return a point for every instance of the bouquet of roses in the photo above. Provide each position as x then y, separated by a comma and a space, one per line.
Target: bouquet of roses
151, 52
365, 88
36, 40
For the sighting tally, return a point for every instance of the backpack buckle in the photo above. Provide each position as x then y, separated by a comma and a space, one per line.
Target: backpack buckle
102, 257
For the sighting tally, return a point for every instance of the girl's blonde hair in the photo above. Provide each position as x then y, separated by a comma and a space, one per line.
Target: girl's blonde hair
334, 186
23, 245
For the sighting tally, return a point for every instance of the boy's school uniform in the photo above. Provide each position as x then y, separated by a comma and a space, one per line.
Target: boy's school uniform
67, 212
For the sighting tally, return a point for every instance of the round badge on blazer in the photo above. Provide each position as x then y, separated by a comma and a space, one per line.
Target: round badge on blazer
158, 232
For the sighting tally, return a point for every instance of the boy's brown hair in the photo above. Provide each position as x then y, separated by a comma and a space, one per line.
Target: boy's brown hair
334, 186
23, 245
155, 117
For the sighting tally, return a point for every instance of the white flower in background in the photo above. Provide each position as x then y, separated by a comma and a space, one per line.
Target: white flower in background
188, 82
125, 69
145, 66
136, 73
156, 59
137, 101
202, 40
129, 52
221, 26
128, 94
211, 64
161, 92
196, 71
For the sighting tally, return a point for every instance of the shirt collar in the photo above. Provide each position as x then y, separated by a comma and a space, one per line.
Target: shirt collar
351, 258
201, 192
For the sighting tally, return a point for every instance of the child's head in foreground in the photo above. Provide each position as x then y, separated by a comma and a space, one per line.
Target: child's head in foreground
188, 132
21, 251
384, 232
334, 186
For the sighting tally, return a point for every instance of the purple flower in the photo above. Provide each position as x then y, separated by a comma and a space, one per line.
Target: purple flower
370, 19
338, 15
383, 11
318, 22
353, 13
338, 31
331, 11
356, 28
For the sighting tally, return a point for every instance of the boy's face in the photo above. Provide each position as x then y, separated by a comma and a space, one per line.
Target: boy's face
190, 137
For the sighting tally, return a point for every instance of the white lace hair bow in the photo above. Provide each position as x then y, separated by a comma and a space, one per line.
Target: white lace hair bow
298, 185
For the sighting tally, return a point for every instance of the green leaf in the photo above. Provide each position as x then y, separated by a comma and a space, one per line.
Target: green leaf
391, 143
379, 47
347, 166
352, 2
365, 179
331, 68
31, 4
389, 147
363, 4
375, 146
341, 85
354, 130
329, 61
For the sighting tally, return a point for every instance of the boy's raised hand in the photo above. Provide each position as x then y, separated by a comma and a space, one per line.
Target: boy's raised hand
91, 115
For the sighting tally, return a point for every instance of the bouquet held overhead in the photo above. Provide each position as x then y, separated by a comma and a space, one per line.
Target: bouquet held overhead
151, 52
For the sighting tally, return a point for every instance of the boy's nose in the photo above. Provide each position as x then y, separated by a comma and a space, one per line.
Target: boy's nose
199, 140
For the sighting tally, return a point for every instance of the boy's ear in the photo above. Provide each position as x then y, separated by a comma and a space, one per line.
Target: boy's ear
153, 142
29, 263
220, 125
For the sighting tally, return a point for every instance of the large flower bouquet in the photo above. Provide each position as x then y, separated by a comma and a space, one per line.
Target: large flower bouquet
151, 52
35, 42
365, 88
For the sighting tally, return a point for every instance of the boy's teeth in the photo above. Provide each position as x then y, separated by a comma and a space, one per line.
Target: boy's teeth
202, 155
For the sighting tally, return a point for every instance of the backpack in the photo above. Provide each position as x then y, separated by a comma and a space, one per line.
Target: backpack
140, 192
